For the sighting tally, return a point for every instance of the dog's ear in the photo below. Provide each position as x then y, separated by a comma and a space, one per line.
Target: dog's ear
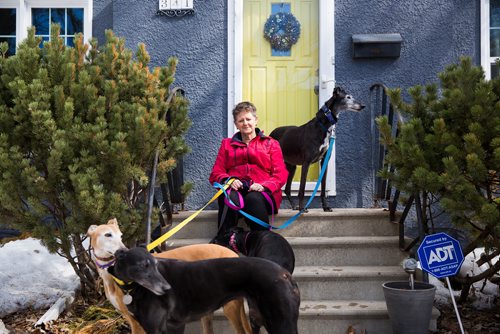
113, 221
337, 91
91, 230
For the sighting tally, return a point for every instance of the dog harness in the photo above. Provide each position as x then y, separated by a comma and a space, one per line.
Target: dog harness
234, 246
232, 242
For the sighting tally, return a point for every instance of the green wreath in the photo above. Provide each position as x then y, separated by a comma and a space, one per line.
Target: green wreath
282, 30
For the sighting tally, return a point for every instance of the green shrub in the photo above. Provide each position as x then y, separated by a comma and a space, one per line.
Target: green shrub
79, 127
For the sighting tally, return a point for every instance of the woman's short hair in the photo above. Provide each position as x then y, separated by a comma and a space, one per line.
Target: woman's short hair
244, 106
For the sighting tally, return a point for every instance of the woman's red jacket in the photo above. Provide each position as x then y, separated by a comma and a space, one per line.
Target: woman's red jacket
261, 161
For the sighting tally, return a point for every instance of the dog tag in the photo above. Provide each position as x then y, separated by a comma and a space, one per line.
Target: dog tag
127, 299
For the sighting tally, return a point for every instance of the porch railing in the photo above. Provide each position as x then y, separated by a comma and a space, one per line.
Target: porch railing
384, 191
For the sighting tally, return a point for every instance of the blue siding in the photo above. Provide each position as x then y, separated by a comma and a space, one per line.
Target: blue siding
435, 33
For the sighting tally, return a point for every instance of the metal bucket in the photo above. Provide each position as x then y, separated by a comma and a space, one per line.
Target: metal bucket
410, 310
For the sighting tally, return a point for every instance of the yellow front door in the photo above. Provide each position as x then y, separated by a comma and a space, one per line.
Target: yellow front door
281, 84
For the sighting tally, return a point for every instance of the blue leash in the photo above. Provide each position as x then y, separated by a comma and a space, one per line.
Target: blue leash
292, 219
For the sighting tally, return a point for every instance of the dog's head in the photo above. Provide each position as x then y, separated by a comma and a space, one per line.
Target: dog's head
139, 266
341, 101
105, 239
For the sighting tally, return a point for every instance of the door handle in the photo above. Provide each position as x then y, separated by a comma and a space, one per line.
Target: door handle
324, 81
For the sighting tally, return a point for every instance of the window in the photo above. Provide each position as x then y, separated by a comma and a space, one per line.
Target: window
490, 37
8, 28
70, 20
16, 16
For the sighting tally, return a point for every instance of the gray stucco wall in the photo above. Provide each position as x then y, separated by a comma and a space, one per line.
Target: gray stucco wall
200, 43
435, 33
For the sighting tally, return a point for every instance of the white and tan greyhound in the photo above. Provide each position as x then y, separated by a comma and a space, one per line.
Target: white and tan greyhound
106, 239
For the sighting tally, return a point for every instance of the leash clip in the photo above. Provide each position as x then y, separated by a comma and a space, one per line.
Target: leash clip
332, 133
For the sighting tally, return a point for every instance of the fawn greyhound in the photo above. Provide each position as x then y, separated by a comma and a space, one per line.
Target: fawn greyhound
106, 239
308, 143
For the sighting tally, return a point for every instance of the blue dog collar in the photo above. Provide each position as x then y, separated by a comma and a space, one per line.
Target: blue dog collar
329, 115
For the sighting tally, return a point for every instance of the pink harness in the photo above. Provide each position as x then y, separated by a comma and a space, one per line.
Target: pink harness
232, 243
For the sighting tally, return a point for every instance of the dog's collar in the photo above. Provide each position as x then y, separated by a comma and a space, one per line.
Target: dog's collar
332, 119
232, 242
234, 246
109, 262
122, 284
126, 286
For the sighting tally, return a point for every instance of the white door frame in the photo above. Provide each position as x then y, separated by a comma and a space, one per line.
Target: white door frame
326, 70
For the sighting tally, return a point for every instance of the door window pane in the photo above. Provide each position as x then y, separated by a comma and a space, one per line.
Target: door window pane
8, 28
280, 8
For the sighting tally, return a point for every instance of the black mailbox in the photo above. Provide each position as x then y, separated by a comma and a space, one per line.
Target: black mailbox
376, 45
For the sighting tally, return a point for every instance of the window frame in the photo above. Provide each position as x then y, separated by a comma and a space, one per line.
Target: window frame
486, 60
23, 14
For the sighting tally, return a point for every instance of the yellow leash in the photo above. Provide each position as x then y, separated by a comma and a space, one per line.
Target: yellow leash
177, 228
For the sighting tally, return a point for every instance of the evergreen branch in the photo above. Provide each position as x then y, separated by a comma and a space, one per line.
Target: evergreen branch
486, 258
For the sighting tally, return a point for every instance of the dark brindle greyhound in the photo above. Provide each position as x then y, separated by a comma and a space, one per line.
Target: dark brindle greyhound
166, 294
308, 143
264, 244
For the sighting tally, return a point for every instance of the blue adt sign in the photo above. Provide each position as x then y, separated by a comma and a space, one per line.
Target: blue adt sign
440, 255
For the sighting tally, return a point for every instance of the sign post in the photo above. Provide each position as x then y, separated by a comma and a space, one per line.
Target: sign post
441, 256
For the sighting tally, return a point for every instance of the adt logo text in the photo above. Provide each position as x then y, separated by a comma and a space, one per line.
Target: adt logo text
440, 255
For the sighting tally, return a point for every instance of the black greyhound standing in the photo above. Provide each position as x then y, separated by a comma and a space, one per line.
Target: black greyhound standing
308, 143
165, 294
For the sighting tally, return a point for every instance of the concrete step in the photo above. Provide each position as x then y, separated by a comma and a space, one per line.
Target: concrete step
345, 282
346, 251
329, 317
333, 251
316, 222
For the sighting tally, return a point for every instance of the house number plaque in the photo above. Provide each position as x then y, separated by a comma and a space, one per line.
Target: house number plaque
175, 7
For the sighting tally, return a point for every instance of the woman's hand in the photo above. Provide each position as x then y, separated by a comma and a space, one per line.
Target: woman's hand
237, 184
257, 187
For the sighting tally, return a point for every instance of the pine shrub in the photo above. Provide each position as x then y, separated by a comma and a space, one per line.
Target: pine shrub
79, 127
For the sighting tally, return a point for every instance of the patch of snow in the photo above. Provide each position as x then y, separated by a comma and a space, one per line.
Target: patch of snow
30, 276
483, 293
